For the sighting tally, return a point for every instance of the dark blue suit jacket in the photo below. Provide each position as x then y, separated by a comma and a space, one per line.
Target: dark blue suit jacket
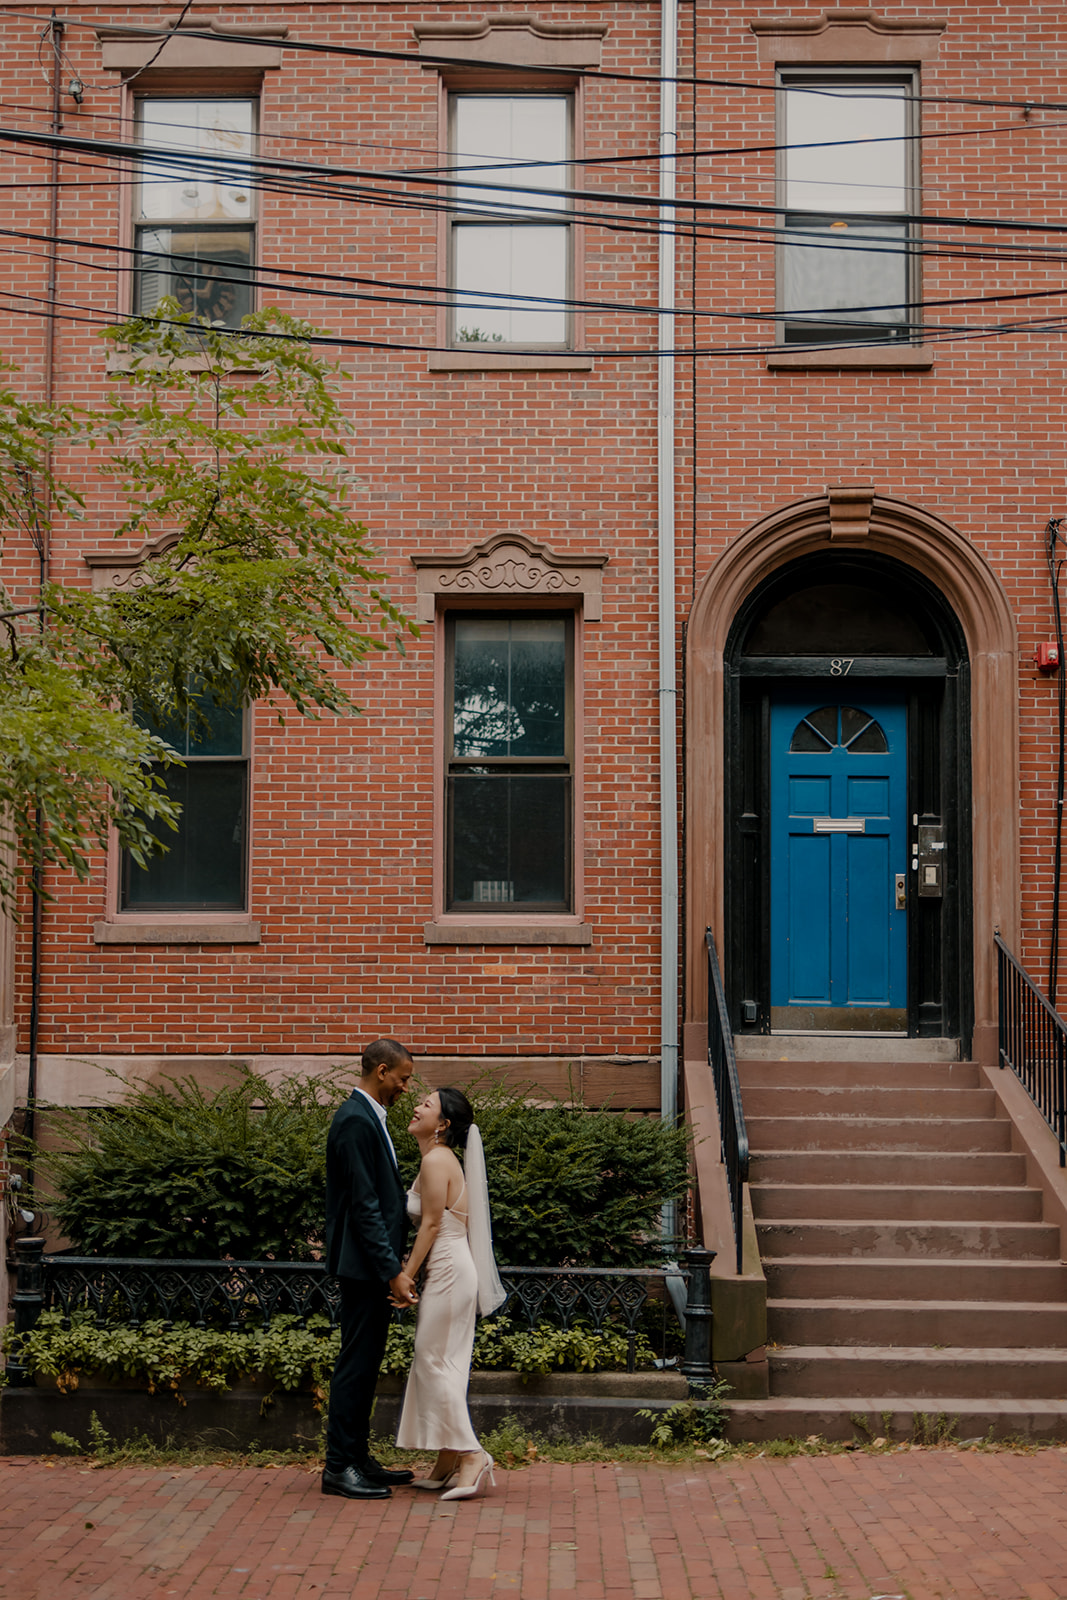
366, 1215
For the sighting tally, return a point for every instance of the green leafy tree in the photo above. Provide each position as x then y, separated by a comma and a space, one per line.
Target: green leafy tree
228, 451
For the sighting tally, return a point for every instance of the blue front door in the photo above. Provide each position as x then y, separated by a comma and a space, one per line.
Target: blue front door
838, 861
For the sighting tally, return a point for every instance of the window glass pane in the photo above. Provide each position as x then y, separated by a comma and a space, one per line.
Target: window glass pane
509, 687
827, 287
860, 733
851, 177
207, 730
209, 272
816, 732
491, 130
510, 838
195, 191
513, 260
203, 868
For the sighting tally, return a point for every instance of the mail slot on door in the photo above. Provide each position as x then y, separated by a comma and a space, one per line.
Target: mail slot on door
929, 857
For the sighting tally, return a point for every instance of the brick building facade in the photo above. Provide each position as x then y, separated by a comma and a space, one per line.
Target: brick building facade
866, 437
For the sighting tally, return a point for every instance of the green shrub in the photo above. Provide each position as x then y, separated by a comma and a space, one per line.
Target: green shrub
239, 1172
174, 1171
174, 1356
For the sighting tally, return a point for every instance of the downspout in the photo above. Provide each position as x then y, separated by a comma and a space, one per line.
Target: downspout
668, 692
43, 526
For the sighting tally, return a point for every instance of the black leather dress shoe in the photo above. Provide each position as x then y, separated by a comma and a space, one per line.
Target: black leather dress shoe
374, 1472
354, 1485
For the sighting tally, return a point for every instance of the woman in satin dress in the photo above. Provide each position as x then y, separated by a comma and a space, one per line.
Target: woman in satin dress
458, 1282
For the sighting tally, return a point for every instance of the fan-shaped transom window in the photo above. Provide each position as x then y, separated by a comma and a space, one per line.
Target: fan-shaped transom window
838, 726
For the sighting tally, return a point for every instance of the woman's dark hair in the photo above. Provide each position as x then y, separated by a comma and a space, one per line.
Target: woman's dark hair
459, 1114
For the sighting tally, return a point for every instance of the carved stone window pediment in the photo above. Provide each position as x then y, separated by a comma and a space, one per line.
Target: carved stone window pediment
846, 34
508, 567
514, 39
125, 569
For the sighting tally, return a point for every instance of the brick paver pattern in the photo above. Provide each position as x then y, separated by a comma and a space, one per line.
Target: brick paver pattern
913, 1525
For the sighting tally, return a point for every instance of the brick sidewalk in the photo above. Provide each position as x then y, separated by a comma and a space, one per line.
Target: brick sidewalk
916, 1524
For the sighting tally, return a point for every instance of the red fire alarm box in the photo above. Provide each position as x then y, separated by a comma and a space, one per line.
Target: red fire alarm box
1047, 657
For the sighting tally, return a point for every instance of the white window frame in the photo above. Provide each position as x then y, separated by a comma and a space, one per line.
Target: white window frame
854, 333
138, 227
561, 217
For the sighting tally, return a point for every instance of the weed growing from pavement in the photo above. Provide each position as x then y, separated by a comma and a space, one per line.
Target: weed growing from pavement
515, 1448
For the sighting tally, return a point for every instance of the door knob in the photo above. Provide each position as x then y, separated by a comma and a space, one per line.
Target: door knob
902, 891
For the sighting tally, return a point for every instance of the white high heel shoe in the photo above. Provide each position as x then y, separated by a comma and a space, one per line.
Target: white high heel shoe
435, 1483
469, 1490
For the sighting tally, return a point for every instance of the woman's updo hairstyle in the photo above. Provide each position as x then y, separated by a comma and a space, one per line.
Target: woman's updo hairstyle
459, 1114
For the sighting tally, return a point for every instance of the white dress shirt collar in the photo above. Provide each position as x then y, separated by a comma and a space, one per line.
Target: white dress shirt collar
380, 1111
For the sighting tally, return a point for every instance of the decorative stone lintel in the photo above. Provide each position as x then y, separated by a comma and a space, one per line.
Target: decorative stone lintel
850, 510
125, 569
848, 33
513, 39
509, 567
125, 51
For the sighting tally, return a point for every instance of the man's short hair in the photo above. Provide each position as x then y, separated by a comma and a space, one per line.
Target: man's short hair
384, 1053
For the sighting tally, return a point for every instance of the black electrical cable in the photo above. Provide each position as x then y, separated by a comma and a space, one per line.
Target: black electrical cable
422, 59
1053, 545
240, 167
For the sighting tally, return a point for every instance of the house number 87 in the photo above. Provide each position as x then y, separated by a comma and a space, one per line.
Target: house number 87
841, 666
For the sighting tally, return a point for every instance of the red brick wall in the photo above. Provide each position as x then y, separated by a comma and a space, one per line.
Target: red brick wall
341, 863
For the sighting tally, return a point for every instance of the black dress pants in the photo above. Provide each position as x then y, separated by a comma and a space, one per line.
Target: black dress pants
365, 1313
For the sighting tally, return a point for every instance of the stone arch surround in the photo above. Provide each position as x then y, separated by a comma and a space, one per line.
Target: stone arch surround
924, 542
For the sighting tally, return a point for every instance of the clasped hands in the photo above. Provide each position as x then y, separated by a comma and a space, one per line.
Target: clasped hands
402, 1291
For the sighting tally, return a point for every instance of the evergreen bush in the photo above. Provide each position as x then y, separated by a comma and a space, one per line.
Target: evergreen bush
239, 1172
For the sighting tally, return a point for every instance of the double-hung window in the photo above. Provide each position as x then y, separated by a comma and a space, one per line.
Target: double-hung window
204, 867
509, 762
510, 246
847, 262
194, 216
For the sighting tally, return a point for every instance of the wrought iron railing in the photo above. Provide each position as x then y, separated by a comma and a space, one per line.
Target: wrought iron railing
723, 1063
234, 1294
1032, 1041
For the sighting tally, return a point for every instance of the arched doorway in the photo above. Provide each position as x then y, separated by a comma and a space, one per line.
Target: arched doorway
942, 587
847, 817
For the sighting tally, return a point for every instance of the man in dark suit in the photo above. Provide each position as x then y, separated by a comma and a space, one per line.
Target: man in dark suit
366, 1221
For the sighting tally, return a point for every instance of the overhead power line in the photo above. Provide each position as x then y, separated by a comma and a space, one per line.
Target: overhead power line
366, 289
422, 59
507, 208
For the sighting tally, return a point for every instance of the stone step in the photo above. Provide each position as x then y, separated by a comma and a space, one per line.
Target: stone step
898, 1167
962, 1240
864, 1278
877, 1133
982, 1323
817, 1371
929, 1420
853, 1074
854, 1100
872, 1202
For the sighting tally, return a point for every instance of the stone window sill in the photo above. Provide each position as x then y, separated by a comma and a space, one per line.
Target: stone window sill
238, 931
885, 357
507, 361
527, 933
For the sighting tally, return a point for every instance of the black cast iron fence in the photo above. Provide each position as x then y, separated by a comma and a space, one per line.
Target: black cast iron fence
732, 1131
237, 1294
1032, 1041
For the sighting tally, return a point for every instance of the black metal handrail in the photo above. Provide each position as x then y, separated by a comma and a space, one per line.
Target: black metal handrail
234, 1294
732, 1131
1032, 1041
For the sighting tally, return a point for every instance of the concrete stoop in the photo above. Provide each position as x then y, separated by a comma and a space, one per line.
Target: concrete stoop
914, 1275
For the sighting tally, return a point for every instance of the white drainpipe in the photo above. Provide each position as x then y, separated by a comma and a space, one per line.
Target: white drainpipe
668, 694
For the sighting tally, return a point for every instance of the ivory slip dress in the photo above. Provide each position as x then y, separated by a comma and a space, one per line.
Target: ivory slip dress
435, 1415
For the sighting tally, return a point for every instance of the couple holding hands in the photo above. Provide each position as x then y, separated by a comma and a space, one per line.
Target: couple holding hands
367, 1213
